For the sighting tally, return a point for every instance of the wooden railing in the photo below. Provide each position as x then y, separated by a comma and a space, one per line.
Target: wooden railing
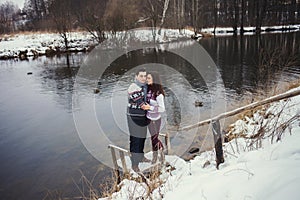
216, 128
122, 152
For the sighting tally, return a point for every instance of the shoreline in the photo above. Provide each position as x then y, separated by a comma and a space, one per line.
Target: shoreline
23, 46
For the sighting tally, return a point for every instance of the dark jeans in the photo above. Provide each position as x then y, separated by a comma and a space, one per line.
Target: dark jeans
154, 128
138, 131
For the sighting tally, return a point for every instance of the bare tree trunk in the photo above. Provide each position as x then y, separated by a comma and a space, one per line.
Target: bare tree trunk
193, 17
36, 8
61, 15
65, 38
178, 14
175, 13
216, 10
182, 17
197, 15
292, 12
166, 6
261, 6
242, 17
235, 17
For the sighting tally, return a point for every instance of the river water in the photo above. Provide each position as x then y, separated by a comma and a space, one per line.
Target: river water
43, 155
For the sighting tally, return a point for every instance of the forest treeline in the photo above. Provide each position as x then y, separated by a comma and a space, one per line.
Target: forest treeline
97, 16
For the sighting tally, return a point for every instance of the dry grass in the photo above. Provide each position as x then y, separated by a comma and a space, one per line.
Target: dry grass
55, 194
271, 125
87, 189
294, 84
258, 96
147, 185
9, 35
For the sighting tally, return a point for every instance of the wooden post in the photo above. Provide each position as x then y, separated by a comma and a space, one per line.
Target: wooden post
114, 158
167, 142
218, 142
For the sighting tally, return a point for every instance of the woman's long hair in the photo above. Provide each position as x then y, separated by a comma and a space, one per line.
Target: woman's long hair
156, 86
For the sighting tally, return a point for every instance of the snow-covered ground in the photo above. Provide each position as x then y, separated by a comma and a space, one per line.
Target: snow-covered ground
39, 43
12, 45
222, 31
261, 170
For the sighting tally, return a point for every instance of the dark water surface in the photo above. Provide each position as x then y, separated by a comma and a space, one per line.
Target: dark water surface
40, 149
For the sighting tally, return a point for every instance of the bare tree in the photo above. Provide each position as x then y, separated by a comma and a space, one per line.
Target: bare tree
122, 14
236, 16
216, 11
242, 16
7, 12
260, 11
180, 14
114, 15
61, 14
90, 16
37, 13
165, 8
195, 13
156, 12
62, 17
292, 11
115, 21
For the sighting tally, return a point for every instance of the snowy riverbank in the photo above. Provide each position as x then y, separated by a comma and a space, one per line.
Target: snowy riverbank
22, 46
37, 44
262, 164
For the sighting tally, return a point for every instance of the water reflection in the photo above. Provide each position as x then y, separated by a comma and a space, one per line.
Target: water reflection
39, 145
140, 57
251, 62
57, 75
40, 149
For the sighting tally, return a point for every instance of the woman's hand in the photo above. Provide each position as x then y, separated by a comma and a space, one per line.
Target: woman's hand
145, 106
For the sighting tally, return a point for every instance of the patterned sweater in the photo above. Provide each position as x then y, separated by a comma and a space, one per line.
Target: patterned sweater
157, 106
136, 98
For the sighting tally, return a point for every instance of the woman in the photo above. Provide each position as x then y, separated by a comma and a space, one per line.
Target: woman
155, 99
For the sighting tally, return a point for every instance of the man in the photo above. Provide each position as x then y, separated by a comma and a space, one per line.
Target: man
136, 118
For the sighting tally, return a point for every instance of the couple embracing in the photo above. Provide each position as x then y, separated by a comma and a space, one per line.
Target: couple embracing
145, 105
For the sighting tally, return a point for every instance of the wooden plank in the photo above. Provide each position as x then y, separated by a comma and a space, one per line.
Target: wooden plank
244, 108
114, 158
122, 156
118, 148
162, 134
